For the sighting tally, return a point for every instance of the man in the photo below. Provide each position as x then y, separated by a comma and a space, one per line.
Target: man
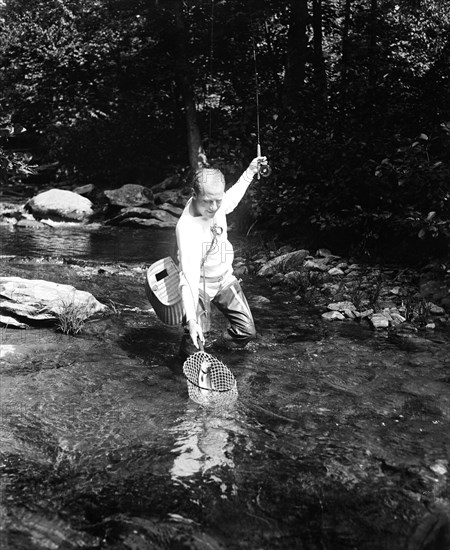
206, 258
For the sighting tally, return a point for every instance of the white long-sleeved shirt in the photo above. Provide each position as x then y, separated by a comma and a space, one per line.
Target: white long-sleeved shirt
194, 238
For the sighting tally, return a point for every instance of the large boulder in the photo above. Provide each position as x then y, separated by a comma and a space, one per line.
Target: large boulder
39, 300
129, 195
60, 205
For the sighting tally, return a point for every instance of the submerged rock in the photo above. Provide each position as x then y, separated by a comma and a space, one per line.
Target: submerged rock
62, 205
39, 300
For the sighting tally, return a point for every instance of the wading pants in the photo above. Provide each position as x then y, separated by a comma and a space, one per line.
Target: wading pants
228, 297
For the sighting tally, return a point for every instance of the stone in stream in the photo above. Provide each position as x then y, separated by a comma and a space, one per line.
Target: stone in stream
174, 210
60, 205
436, 310
333, 316
335, 271
129, 216
11, 211
7, 321
39, 300
176, 197
142, 222
292, 261
259, 301
30, 223
379, 320
316, 265
26, 311
129, 195
341, 306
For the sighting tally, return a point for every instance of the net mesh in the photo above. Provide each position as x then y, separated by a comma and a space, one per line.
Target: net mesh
222, 387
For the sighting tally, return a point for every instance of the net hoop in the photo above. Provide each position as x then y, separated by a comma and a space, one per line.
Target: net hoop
223, 389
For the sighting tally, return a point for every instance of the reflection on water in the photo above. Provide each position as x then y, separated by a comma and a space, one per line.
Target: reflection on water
203, 442
88, 242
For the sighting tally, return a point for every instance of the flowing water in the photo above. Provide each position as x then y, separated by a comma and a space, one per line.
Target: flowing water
338, 440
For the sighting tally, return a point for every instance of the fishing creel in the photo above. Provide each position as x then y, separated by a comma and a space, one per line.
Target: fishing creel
162, 286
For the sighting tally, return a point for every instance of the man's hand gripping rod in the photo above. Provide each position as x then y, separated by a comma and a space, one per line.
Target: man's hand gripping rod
264, 170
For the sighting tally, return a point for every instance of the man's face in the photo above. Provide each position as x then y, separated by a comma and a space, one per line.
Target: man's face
209, 201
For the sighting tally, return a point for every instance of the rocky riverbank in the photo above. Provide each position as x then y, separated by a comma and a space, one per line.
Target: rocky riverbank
384, 296
130, 206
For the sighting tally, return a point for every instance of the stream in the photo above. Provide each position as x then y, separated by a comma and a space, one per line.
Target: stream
339, 438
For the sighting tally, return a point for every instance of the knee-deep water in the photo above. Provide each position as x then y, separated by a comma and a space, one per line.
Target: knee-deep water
339, 438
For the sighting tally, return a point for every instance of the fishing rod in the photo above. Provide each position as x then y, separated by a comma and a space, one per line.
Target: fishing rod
264, 170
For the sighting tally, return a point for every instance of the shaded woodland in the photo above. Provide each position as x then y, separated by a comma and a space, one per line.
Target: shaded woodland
353, 95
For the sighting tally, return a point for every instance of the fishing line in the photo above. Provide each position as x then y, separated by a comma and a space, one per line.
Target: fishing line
210, 77
255, 66
263, 169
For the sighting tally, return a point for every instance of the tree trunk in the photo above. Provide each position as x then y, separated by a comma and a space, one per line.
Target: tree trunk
297, 47
319, 60
373, 44
194, 141
345, 39
274, 64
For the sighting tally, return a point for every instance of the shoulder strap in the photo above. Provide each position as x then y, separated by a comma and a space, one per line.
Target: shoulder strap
211, 246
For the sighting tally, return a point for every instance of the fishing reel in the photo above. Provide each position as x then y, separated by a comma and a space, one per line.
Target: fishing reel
264, 169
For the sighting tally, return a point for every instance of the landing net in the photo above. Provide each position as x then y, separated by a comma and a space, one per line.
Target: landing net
223, 387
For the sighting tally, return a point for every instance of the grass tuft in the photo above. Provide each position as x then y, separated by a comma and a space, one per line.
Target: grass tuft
72, 317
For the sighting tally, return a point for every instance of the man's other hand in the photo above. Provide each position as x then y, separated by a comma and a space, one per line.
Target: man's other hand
196, 333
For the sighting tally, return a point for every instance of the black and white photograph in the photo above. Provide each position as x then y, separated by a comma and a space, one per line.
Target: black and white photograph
224, 275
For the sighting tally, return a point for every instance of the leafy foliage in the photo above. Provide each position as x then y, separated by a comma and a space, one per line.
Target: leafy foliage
13, 164
359, 146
